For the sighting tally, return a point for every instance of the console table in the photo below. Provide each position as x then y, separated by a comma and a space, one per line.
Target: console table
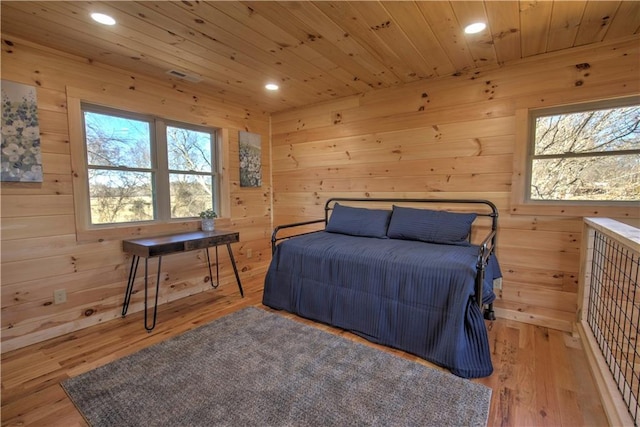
158, 246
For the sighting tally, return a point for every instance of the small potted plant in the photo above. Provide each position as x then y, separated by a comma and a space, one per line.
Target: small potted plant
207, 219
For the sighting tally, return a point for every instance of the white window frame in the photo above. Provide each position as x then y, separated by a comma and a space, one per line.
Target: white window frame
521, 202
164, 171
85, 232
592, 106
159, 168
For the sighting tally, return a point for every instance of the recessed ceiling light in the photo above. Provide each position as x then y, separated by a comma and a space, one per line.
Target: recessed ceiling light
475, 28
103, 19
271, 86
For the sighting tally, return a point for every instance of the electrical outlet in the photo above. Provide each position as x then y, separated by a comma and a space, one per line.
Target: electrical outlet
249, 252
497, 283
59, 296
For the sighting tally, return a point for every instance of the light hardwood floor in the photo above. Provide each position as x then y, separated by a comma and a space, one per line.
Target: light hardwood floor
540, 375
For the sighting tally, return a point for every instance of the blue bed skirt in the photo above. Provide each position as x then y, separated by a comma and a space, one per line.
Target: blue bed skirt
414, 296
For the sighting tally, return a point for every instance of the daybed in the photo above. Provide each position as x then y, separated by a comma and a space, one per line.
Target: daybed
407, 278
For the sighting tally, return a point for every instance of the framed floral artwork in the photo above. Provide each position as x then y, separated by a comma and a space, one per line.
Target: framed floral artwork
250, 159
21, 159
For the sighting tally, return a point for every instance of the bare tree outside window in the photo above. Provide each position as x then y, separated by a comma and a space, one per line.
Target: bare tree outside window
119, 168
191, 171
591, 155
141, 169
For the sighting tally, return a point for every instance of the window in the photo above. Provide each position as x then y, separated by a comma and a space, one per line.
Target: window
143, 168
191, 172
585, 153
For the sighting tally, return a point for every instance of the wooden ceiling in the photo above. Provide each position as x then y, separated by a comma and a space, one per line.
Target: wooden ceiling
314, 50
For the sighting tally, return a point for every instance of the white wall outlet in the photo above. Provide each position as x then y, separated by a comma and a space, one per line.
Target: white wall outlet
497, 283
249, 252
59, 296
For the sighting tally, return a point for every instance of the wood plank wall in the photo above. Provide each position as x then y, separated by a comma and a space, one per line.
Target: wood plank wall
455, 137
40, 252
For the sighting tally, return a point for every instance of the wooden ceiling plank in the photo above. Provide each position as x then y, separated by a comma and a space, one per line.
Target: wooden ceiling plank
397, 36
354, 26
373, 27
535, 17
61, 23
250, 65
247, 46
566, 17
480, 45
150, 33
143, 17
359, 49
200, 62
286, 42
30, 26
626, 21
289, 47
115, 55
286, 50
596, 20
448, 31
417, 30
332, 33
289, 22
504, 23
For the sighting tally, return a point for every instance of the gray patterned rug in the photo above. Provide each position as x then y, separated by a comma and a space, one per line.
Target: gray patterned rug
255, 368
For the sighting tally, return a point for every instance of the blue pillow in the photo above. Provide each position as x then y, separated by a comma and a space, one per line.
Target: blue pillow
431, 226
358, 221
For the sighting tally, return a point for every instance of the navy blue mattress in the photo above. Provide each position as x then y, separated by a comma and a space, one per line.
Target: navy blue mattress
410, 295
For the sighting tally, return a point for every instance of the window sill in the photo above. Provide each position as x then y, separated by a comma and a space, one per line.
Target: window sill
123, 232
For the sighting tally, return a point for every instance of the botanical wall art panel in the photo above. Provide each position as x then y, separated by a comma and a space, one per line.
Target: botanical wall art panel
20, 150
250, 159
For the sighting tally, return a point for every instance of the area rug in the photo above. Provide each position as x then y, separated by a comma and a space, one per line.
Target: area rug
256, 368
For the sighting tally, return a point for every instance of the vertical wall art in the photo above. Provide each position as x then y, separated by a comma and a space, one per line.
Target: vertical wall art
20, 159
250, 159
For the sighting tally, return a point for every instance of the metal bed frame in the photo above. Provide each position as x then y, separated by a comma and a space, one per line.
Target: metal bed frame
486, 248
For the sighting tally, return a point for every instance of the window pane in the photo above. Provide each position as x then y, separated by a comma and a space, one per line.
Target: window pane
612, 129
587, 178
189, 150
120, 196
190, 194
117, 141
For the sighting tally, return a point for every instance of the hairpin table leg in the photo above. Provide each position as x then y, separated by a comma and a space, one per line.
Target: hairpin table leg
217, 268
235, 269
155, 306
132, 277
213, 285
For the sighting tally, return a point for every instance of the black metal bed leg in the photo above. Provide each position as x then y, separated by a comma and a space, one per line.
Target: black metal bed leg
155, 306
132, 277
489, 313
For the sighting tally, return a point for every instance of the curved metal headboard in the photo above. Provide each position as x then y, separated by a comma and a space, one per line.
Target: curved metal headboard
493, 215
